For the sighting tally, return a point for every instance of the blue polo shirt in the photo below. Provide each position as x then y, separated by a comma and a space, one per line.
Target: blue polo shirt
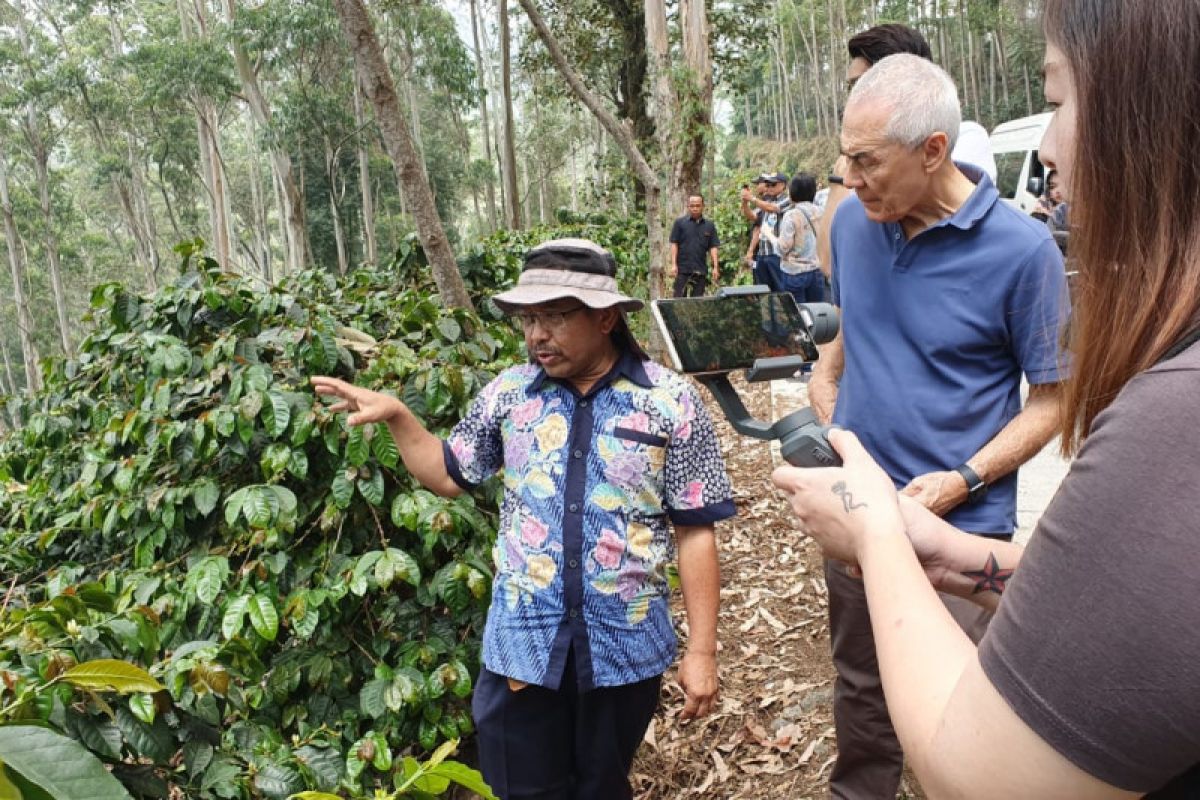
936, 332
590, 483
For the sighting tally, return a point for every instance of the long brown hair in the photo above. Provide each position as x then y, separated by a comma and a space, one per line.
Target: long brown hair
1135, 190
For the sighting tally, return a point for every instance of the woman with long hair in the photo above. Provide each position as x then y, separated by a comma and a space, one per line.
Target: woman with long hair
1087, 684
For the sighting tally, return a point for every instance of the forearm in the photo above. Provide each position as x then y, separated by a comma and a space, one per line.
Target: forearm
1022, 438
920, 649
837, 194
700, 581
823, 388
976, 568
674, 255
716, 261
960, 736
422, 454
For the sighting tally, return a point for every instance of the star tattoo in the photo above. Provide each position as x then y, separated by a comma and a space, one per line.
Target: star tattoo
991, 578
848, 503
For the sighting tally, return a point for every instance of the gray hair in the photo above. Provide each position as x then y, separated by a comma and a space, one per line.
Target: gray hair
922, 97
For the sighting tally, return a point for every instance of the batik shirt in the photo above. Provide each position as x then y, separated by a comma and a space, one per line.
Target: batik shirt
590, 482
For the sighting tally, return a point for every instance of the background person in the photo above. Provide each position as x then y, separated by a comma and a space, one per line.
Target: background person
694, 245
1085, 686
599, 448
1050, 199
800, 270
948, 296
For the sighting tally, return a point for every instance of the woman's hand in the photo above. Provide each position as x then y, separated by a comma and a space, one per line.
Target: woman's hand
365, 405
840, 507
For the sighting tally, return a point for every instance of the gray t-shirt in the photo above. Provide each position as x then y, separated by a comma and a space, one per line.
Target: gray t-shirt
1096, 645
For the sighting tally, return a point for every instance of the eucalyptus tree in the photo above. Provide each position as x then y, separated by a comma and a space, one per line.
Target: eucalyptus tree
251, 49
509, 149
16, 263
624, 138
41, 133
373, 75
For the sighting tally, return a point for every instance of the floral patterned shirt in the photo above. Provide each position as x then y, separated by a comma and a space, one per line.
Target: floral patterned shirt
590, 482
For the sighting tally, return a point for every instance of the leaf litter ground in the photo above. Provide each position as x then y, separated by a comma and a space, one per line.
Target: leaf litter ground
771, 737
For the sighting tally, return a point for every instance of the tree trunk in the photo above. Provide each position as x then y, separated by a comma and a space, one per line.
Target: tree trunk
41, 158
377, 84
292, 209
625, 140
483, 108
260, 230
510, 150
335, 214
16, 263
697, 118
1003, 56
497, 129
370, 248
210, 156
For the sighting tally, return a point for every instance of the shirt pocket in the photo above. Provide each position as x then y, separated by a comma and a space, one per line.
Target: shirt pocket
631, 465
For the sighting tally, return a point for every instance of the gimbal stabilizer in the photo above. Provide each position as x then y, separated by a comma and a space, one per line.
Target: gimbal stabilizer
802, 439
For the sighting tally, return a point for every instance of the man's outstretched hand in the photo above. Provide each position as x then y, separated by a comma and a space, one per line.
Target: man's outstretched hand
364, 405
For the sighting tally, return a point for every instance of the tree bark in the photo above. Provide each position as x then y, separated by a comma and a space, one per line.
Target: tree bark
697, 55
377, 84
510, 151
370, 246
625, 140
210, 153
16, 263
292, 208
483, 108
331, 181
41, 167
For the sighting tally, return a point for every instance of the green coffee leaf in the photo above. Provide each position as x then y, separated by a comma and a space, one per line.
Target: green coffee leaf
263, 616
57, 764
106, 674
205, 495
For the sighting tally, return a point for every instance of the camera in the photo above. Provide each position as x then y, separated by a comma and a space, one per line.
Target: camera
770, 336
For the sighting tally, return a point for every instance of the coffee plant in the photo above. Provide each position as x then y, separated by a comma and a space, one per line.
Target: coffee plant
307, 617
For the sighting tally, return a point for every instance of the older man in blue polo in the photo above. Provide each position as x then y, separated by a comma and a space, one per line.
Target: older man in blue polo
603, 453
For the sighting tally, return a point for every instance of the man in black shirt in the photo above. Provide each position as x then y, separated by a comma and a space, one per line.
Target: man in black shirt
693, 243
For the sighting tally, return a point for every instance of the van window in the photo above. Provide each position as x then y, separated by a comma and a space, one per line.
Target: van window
1008, 172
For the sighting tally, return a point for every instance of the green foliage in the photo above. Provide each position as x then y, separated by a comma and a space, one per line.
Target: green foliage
179, 502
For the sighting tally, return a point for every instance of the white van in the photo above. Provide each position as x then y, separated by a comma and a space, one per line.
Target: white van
1020, 177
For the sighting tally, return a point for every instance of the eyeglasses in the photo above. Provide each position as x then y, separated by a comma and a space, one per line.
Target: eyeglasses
549, 320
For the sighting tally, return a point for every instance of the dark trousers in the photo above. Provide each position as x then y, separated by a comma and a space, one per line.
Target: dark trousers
689, 284
767, 273
806, 287
539, 744
869, 758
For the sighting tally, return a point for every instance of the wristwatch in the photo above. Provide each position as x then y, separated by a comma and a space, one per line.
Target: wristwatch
976, 488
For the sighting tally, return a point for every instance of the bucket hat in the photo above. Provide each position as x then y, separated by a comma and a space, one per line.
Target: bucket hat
561, 268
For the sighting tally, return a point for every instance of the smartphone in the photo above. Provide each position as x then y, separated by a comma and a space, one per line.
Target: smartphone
726, 333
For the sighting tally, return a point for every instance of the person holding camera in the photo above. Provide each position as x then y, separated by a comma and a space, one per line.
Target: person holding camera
602, 452
766, 213
948, 296
1085, 685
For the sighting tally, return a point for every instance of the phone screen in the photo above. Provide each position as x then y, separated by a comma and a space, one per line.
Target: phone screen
720, 334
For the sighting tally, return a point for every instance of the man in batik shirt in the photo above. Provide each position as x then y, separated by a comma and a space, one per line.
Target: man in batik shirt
600, 448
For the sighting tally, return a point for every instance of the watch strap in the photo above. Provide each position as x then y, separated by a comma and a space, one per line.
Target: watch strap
976, 488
